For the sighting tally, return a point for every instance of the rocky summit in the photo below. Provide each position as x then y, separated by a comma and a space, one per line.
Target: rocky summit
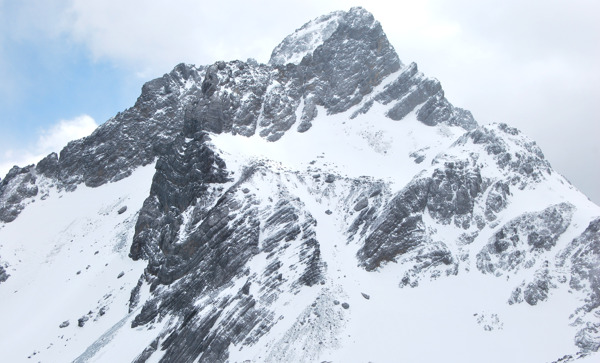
330, 205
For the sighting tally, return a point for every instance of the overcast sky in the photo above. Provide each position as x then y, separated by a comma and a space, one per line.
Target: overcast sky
68, 65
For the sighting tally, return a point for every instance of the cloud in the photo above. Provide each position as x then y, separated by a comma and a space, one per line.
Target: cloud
152, 36
64, 131
50, 140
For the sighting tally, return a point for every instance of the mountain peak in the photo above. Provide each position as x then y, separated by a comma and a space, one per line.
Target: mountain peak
305, 39
342, 28
283, 212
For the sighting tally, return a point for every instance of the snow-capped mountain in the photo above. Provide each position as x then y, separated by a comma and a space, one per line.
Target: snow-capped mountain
331, 205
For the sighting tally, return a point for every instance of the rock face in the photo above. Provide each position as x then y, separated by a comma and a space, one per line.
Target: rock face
516, 244
211, 253
18, 185
412, 89
252, 255
582, 255
3, 274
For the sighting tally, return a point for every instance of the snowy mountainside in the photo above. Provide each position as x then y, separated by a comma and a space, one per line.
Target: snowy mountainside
331, 205
66, 254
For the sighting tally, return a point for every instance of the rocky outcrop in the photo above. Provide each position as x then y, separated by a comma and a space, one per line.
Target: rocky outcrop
516, 244
3, 274
452, 192
582, 256
455, 190
516, 156
496, 200
198, 230
413, 91
350, 56
538, 289
399, 229
15, 189
134, 137
209, 262
447, 196
182, 179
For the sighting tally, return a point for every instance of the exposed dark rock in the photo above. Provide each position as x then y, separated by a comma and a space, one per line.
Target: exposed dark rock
437, 110
220, 108
519, 158
417, 156
538, 289
452, 192
412, 89
496, 199
583, 254
134, 137
527, 235
331, 69
3, 274
81, 321
361, 204
398, 229
134, 298
48, 166
147, 353
182, 176
345, 305
18, 185
516, 296
430, 258
122, 210
310, 256
284, 223
64, 324
366, 296
467, 238
219, 239
449, 195
375, 192
588, 338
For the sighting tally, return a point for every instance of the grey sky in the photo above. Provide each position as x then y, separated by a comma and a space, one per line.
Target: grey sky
531, 64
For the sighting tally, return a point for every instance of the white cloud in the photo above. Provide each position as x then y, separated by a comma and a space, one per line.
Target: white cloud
152, 36
50, 140
64, 131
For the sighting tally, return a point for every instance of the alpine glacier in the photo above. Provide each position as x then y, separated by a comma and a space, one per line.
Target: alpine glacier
329, 206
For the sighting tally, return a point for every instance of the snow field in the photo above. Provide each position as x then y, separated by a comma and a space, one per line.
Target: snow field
65, 256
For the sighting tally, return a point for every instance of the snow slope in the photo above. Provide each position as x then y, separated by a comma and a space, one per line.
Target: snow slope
66, 254
71, 268
457, 318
